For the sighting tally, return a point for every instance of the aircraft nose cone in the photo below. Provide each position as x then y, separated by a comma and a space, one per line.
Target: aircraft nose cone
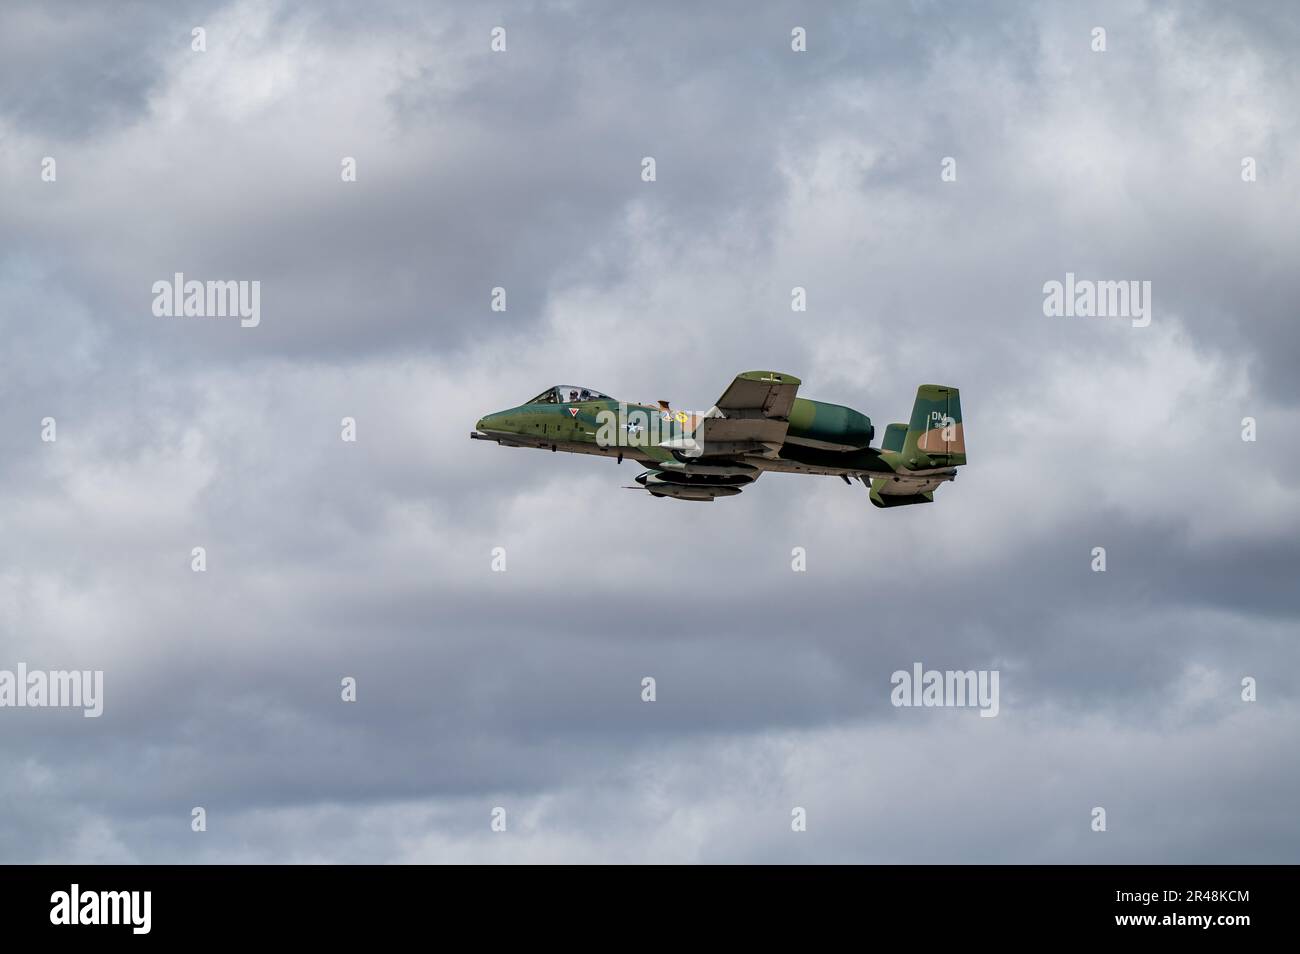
492, 422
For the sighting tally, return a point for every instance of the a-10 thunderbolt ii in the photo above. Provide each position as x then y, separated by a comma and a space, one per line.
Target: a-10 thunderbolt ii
758, 425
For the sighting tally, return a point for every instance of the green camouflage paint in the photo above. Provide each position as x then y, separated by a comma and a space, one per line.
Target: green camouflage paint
762, 427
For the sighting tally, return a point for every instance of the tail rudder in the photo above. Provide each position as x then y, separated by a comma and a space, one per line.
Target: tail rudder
924, 451
895, 436
934, 436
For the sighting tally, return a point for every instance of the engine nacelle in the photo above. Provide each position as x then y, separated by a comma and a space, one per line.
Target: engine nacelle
828, 426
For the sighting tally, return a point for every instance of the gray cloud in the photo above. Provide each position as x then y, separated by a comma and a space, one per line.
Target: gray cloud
521, 689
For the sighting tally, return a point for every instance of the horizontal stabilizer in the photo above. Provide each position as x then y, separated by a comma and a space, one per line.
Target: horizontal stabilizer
903, 488
897, 500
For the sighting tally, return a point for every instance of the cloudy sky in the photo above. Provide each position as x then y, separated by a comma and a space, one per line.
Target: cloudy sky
522, 689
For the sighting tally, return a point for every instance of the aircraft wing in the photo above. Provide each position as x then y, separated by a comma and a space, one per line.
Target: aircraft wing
751, 417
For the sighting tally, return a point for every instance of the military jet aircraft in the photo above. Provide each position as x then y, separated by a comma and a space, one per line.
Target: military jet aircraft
757, 425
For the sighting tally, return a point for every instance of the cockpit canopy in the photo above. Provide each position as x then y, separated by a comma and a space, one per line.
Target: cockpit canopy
568, 394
